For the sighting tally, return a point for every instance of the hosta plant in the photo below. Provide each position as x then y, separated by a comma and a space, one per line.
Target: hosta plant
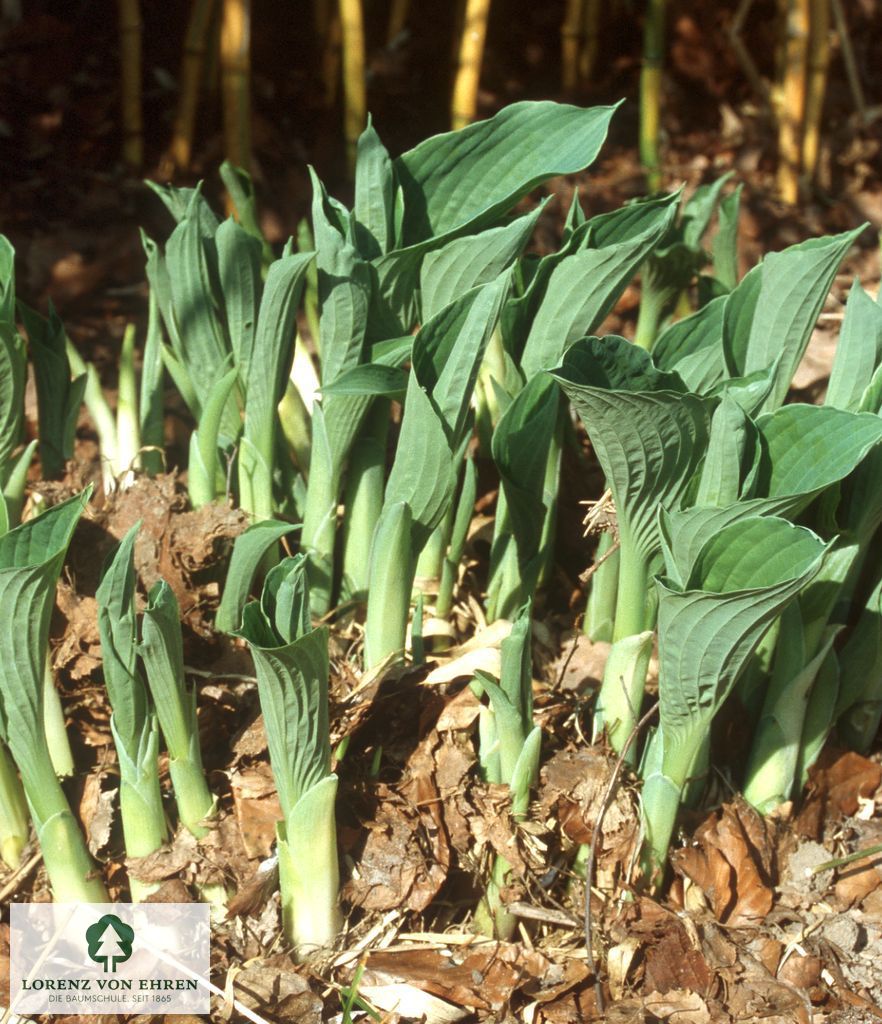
31, 558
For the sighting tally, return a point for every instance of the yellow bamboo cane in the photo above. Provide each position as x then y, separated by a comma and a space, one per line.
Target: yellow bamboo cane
468, 72
818, 59
354, 91
570, 38
650, 91
195, 43
235, 52
590, 40
130, 41
791, 114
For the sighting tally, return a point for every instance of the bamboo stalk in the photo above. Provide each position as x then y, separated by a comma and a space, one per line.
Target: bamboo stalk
398, 13
198, 30
468, 72
590, 40
570, 38
818, 60
354, 91
791, 115
650, 91
130, 45
235, 53
331, 60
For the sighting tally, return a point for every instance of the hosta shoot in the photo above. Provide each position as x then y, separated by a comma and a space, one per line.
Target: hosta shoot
133, 722
714, 606
175, 703
509, 754
650, 435
292, 666
31, 558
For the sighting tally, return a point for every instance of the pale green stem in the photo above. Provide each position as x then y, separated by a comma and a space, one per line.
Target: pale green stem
192, 795
652, 303
309, 876
363, 501
661, 796
54, 726
128, 427
67, 860
431, 560
13, 812
491, 917
600, 611
390, 587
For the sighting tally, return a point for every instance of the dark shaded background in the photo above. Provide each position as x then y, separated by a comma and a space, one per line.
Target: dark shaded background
72, 211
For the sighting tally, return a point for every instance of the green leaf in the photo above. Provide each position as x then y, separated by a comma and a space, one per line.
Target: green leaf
740, 581
187, 202
782, 299
58, 397
248, 553
13, 374
203, 467
175, 702
464, 263
859, 703
732, 453
117, 629
809, 447
374, 184
520, 446
725, 243
698, 210
648, 433
447, 353
858, 353
292, 683
692, 347
369, 380
192, 262
584, 287
239, 256
31, 557
267, 372
464, 180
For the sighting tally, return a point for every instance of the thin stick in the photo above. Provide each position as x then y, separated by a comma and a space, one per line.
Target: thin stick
819, 58
791, 113
612, 785
20, 873
851, 70
235, 54
195, 45
743, 54
841, 862
468, 72
354, 90
130, 42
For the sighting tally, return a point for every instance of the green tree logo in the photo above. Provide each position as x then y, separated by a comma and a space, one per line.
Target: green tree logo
110, 942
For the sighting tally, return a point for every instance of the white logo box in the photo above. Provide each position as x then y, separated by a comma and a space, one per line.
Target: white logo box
93, 958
